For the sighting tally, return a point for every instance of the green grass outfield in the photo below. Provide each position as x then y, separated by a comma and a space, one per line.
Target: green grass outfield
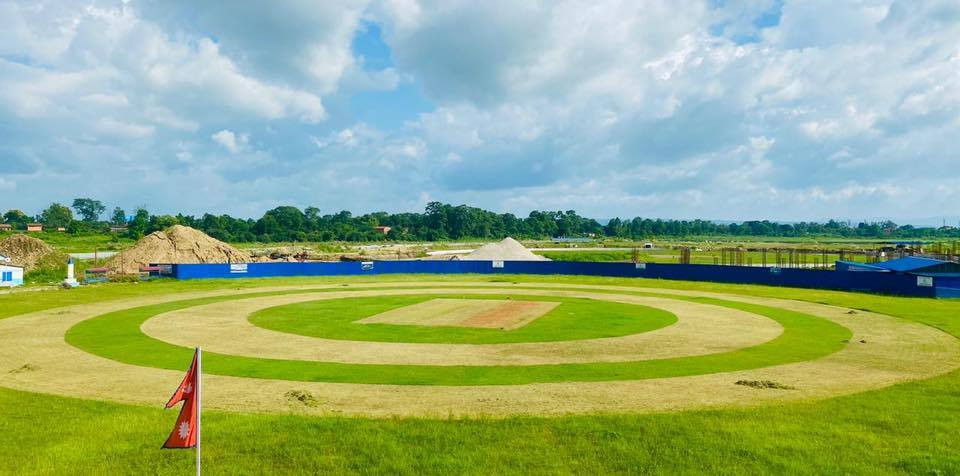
909, 428
117, 336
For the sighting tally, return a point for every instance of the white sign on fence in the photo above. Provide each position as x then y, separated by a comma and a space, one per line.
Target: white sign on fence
238, 268
925, 281
497, 264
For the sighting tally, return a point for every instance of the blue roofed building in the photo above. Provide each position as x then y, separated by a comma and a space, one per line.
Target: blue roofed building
855, 266
929, 272
921, 266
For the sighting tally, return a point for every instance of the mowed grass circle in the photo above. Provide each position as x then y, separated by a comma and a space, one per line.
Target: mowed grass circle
117, 336
573, 319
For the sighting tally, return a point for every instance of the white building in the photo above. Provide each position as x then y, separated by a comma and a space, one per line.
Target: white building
10, 276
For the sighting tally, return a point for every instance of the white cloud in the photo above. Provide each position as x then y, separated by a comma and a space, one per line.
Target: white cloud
7, 184
230, 141
105, 100
166, 117
111, 126
298, 42
655, 108
801, 111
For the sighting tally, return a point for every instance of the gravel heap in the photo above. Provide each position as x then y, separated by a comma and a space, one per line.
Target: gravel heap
506, 250
177, 244
30, 252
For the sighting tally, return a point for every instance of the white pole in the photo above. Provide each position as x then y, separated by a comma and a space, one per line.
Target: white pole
199, 400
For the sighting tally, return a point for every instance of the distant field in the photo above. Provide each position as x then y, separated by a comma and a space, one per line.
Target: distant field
87, 243
666, 251
696, 257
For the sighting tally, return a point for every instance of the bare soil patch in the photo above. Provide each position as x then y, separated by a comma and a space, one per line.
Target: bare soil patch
509, 315
485, 313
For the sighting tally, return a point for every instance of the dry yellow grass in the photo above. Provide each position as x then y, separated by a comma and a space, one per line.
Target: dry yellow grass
897, 351
700, 329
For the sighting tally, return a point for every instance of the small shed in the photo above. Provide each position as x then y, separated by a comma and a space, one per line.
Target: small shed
5, 227
382, 229
10, 275
34, 227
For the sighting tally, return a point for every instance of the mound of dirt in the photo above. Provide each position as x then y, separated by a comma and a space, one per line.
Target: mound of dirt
177, 244
506, 250
30, 252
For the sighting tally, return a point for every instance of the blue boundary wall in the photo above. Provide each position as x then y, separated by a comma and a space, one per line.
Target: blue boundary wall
886, 283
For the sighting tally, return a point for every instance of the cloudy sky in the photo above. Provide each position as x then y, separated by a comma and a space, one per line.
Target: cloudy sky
718, 109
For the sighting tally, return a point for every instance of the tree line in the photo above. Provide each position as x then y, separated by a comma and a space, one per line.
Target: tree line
439, 221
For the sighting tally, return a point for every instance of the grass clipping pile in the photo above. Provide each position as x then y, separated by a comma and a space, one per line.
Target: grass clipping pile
30, 252
177, 244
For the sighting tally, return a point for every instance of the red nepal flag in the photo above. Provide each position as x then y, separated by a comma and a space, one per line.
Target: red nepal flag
184, 433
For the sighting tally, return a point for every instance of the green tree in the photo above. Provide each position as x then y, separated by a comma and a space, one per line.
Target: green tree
312, 216
267, 225
138, 226
56, 215
161, 222
89, 209
283, 223
436, 220
119, 216
16, 218
78, 227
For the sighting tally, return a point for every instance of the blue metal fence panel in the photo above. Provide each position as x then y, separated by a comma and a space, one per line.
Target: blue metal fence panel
888, 283
947, 281
953, 293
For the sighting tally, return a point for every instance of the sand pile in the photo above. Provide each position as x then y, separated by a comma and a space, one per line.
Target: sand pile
506, 250
30, 252
177, 244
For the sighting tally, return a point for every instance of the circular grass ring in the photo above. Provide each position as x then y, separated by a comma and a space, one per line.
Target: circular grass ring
700, 329
117, 336
573, 319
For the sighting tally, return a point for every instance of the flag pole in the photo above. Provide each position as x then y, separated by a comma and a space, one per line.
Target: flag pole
199, 400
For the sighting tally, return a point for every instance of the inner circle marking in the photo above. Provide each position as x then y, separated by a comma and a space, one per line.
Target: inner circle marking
700, 329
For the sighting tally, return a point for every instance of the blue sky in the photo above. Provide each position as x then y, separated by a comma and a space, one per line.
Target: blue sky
786, 110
